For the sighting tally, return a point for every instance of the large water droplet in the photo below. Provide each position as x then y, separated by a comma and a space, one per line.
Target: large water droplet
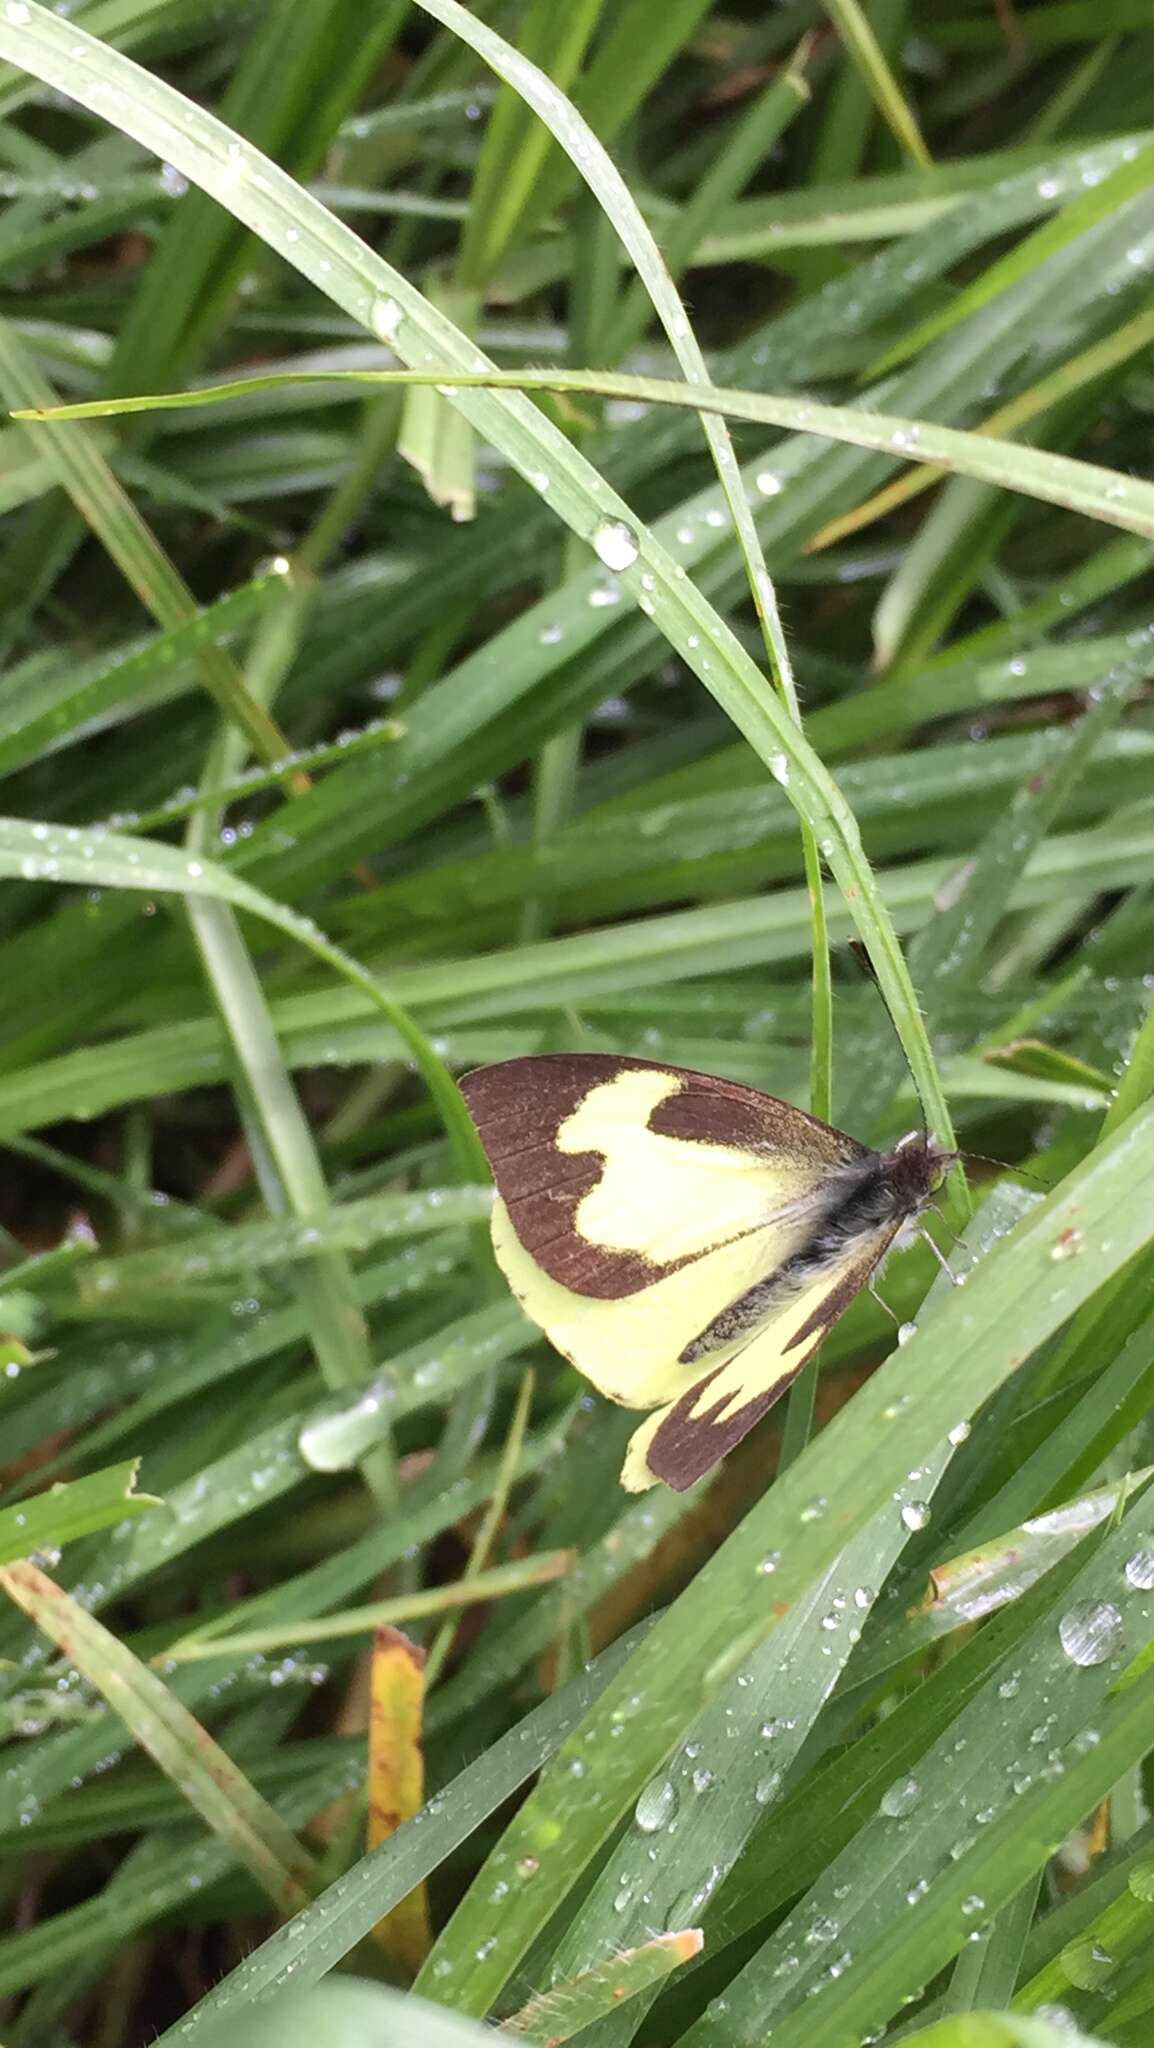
615, 544
334, 1442
915, 1514
900, 1798
1091, 1631
657, 1804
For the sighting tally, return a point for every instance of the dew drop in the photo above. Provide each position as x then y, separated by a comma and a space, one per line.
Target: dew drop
1091, 1632
900, 1798
768, 483
1140, 1570
915, 1514
823, 1929
657, 1804
906, 1331
615, 544
385, 319
766, 1787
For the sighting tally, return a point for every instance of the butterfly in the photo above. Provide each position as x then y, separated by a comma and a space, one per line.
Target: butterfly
686, 1242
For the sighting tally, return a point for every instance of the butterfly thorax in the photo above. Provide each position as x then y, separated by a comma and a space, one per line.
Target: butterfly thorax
865, 1199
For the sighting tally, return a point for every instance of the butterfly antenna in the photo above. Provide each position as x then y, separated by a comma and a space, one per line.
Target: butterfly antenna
1005, 1166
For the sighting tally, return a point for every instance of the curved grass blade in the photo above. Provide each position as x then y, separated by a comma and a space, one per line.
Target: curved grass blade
1064, 480
64, 853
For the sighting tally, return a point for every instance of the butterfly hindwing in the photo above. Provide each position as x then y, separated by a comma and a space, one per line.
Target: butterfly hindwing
686, 1437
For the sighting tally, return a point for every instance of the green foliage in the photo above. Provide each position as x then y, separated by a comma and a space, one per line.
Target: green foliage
807, 596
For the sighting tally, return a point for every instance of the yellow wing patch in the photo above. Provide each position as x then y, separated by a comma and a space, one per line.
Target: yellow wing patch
631, 1348
658, 1196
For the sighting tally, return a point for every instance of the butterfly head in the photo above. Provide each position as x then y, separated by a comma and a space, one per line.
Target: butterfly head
917, 1166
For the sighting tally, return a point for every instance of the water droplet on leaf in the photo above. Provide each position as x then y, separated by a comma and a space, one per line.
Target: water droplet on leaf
1091, 1632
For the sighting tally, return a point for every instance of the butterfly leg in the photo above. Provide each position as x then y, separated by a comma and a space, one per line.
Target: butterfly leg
940, 1214
952, 1277
882, 1303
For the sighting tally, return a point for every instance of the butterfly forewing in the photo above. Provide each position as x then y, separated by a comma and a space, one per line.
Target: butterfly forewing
616, 1172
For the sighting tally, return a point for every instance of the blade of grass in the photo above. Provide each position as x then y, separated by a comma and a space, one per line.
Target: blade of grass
184, 1750
1063, 480
854, 27
396, 1784
354, 1621
97, 1501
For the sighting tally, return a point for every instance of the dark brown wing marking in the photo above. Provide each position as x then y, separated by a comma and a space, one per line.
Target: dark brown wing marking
519, 1105
715, 1112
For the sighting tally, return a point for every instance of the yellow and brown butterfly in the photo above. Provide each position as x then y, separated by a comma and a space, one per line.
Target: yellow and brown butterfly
686, 1242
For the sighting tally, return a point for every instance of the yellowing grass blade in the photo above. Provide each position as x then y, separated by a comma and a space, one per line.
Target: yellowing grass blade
397, 1781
